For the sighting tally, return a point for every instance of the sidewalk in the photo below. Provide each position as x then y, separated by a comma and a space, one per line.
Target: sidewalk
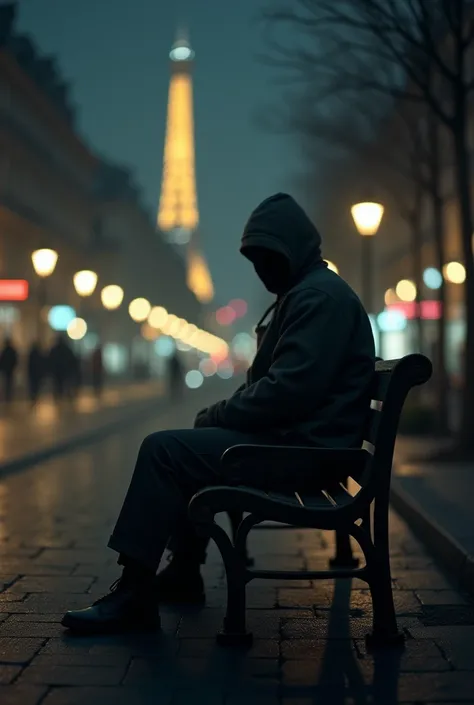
436, 498
308, 646
30, 434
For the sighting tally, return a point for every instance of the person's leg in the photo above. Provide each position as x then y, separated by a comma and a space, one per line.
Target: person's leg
171, 466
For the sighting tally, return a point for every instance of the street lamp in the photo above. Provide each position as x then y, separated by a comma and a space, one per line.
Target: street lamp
111, 296
85, 282
44, 263
367, 217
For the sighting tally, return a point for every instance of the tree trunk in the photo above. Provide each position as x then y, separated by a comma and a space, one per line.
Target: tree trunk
440, 372
463, 187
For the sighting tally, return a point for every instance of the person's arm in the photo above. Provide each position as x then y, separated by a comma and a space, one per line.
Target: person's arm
205, 417
314, 337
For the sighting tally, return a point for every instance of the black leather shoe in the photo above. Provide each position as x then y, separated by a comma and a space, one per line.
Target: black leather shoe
180, 584
126, 608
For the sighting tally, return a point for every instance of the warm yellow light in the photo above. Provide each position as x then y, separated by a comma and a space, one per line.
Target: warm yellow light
148, 332
390, 297
454, 272
85, 282
44, 261
77, 329
178, 200
157, 317
199, 278
332, 266
139, 310
367, 217
406, 290
111, 296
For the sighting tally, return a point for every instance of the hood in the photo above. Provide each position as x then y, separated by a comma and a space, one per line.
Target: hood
280, 225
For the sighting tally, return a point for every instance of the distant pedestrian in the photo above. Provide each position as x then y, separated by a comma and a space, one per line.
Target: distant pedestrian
8, 366
63, 369
36, 371
97, 369
176, 375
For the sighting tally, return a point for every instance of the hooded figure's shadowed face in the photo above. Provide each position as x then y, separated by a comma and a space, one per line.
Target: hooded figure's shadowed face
272, 268
281, 242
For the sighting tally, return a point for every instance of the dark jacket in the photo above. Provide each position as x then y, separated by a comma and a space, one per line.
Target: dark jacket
310, 380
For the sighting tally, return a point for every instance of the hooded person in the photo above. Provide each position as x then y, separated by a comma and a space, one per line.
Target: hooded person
309, 384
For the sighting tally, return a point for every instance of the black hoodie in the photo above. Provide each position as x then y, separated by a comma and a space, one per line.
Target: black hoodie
310, 380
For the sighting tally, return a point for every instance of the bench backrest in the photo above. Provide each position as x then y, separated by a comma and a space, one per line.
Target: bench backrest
392, 382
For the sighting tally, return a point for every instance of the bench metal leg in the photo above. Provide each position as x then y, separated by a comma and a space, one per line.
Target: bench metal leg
235, 519
234, 632
385, 631
344, 557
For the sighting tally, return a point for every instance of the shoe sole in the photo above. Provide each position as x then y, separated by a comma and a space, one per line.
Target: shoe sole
116, 628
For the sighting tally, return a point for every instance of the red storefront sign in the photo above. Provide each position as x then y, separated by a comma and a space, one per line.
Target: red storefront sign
13, 289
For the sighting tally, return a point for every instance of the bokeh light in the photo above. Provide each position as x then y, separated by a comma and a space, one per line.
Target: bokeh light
432, 278
194, 379
390, 297
157, 317
77, 329
139, 310
454, 272
406, 290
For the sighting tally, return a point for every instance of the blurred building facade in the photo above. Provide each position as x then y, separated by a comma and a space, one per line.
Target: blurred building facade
55, 192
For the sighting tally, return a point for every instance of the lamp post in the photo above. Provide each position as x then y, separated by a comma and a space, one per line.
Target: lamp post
44, 263
85, 283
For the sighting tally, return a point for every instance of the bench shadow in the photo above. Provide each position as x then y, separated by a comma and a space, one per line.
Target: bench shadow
347, 672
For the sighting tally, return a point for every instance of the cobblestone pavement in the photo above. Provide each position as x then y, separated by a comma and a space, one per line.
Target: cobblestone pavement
309, 646
24, 429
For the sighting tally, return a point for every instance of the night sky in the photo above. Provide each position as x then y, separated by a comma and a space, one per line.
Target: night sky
115, 52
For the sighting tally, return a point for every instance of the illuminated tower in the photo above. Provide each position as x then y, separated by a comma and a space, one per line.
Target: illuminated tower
178, 215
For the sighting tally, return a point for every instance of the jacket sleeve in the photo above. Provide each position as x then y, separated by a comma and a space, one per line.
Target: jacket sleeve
314, 336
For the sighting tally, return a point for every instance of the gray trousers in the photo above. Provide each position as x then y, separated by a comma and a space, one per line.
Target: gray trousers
171, 467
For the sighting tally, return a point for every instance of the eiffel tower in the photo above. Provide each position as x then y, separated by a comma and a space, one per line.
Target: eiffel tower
178, 213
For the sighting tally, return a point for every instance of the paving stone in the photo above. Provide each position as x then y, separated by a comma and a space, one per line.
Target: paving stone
53, 584
22, 567
71, 557
458, 650
22, 695
12, 597
292, 597
107, 696
436, 687
18, 650
35, 617
422, 580
446, 633
405, 602
198, 648
8, 674
417, 656
441, 597
30, 629
72, 675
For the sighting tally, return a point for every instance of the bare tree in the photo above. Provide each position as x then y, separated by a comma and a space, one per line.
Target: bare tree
417, 52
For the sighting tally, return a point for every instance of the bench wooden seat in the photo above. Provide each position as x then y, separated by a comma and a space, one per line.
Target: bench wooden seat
307, 487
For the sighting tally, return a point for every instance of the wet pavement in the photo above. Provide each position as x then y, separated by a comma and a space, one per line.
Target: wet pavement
309, 644
25, 429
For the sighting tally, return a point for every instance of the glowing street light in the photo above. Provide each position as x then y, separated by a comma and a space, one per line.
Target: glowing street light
157, 317
77, 329
139, 310
44, 261
454, 272
85, 282
406, 290
367, 217
111, 296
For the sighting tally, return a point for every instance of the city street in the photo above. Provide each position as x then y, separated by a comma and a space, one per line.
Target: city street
309, 647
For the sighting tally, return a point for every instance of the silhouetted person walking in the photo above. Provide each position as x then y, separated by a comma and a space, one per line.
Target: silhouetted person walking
63, 369
308, 385
8, 365
36, 371
176, 374
97, 370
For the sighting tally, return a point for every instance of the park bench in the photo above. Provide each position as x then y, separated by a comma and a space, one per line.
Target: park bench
307, 487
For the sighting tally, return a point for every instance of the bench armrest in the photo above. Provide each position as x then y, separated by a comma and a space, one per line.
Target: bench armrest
292, 468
